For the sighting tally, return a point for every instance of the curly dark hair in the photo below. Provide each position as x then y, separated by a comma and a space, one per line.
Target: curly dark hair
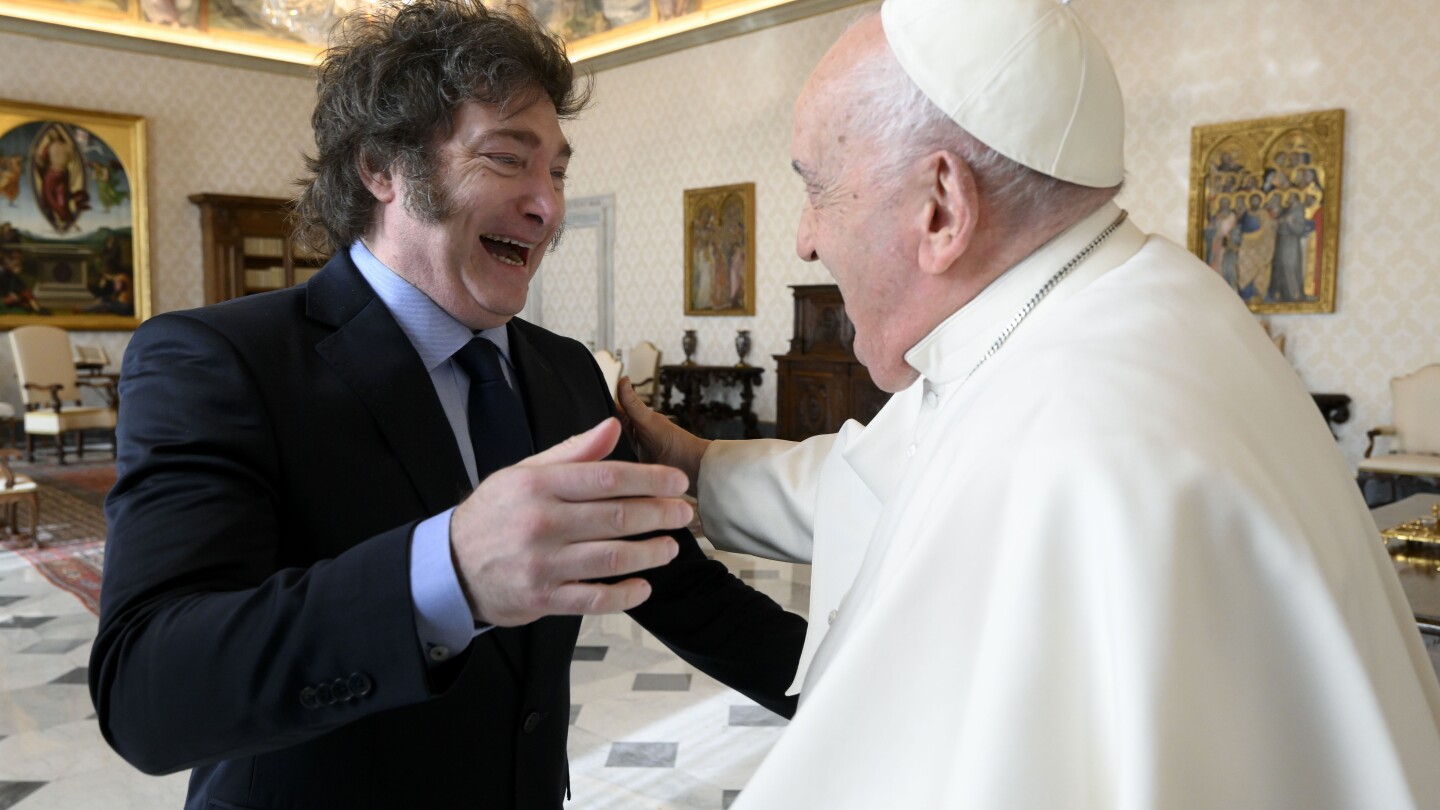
388, 88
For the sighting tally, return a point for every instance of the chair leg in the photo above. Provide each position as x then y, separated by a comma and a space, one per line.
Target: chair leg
30, 447
35, 518
80, 443
60, 446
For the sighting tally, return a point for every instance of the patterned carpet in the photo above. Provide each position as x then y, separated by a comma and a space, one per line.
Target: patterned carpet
71, 552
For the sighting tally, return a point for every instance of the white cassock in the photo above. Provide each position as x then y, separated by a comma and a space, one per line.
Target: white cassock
1122, 565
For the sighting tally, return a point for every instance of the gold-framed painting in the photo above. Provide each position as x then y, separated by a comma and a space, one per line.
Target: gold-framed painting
288, 35
1265, 208
720, 250
74, 247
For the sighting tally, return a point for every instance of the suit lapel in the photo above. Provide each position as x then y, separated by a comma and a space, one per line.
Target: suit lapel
370, 352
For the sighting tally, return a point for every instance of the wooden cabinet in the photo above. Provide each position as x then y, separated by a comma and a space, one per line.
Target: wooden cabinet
249, 246
821, 384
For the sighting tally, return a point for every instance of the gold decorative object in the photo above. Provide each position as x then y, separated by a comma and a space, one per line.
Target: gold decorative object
1419, 530
1265, 208
74, 251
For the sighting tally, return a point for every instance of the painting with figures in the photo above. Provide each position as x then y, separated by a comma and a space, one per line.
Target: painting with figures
1265, 208
72, 236
720, 250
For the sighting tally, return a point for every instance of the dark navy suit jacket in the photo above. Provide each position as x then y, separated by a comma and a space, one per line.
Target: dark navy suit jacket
275, 454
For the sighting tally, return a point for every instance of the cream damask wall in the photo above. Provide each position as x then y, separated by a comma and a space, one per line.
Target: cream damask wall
210, 129
721, 114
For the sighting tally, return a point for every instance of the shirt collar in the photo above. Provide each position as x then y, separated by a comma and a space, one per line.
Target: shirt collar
432, 331
952, 349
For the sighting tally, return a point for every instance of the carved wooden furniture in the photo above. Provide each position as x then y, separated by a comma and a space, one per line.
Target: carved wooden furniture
50, 389
249, 246
697, 414
14, 489
821, 384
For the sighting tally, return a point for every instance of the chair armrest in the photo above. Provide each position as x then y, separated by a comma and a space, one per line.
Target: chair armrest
53, 388
106, 387
1383, 430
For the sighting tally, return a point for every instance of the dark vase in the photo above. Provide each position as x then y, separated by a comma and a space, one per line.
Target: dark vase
687, 343
742, 345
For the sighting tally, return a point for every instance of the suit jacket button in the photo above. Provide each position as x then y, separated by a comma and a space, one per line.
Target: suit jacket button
325, 694
359, 683
341, 688
532, 721
308, 698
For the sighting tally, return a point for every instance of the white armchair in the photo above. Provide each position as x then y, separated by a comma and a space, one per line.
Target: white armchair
610, 367
51, 391
642, 364
1414, 438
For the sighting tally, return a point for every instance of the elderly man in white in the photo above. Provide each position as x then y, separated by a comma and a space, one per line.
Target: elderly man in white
1100, 549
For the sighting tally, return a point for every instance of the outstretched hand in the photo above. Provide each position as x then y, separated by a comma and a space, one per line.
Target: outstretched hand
531, 536
657, 440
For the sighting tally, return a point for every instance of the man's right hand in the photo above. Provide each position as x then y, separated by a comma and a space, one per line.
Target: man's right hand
531, 536
659, 440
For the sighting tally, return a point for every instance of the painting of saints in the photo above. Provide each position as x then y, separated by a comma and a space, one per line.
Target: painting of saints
58, 175
11, 167
730, 291
703, 259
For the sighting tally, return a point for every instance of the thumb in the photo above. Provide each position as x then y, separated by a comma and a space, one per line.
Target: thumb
592, 445
629, 401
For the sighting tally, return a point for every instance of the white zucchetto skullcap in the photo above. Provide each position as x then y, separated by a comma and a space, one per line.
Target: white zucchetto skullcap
1026, 77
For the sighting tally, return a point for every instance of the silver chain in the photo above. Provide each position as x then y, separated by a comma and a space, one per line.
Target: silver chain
1045, 290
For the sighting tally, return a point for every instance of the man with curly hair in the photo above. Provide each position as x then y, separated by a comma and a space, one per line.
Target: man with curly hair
304, 600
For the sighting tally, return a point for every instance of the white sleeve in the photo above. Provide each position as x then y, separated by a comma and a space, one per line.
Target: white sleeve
758, 496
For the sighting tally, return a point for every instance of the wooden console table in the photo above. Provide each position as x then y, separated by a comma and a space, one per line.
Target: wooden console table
693, 412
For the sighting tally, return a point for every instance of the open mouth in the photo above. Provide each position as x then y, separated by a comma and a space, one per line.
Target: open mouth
507, 250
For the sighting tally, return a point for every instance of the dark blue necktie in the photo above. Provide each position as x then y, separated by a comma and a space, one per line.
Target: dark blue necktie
499, 431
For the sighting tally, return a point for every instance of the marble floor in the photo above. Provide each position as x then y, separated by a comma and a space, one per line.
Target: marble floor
647, 730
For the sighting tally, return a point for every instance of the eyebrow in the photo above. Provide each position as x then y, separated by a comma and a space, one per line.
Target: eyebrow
526, 137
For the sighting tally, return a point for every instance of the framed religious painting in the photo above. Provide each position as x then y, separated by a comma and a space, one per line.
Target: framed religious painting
74, 251
1265, 208
720, 250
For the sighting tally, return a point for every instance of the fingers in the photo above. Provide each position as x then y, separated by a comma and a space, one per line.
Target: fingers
602, 480
592, 445
603, 559
597, 520
584, 598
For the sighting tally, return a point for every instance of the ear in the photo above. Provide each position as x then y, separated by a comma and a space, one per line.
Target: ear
379, 181
950, 213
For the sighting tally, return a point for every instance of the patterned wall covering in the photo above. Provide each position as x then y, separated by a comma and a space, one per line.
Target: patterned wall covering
721, 114
210, 128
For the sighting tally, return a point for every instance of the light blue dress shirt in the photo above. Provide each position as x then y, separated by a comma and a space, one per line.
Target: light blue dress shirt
442, 616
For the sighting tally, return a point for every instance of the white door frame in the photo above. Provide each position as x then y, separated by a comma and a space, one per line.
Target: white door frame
581, 215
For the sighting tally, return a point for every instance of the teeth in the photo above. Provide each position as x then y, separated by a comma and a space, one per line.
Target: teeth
508, 260
507, 240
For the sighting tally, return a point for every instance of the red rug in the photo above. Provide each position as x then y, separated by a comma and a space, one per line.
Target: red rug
71, 553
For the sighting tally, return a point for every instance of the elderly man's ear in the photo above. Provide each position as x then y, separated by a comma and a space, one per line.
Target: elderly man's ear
950, 211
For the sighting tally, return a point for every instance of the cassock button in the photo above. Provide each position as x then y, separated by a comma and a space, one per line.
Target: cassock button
308, 698
532, 721
360, 684
831, 618
931, 399
910, 451
438, 653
